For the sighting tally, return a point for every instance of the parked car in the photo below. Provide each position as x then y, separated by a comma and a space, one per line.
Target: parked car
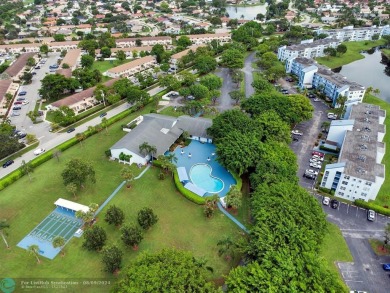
371, 215
8, 163
25, 102
103, 114
316, 100
37, 152
22, 135
33, 73
71, 130
334, 203
310, 171
309, 176
17, 108
22, 93
326, 201
18, 103
315, 165
315, 153
318, 158
15, 113
294, 138
21, 99
314, 161
37, 67
54, 66
296, 132
312, 96
386, 266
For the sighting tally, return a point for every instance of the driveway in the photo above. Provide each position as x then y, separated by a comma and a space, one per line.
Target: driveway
225, 102
365, 272
248, 72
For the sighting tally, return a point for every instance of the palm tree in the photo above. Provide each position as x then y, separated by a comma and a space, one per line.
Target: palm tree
172, 158
128, 175
59, 242
376, 92
340, 102
3, 226
34, 250
152, 151
144, 148
226, 247
80, 137
27, 169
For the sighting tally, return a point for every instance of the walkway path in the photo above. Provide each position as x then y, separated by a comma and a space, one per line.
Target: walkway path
242, 227
248, 72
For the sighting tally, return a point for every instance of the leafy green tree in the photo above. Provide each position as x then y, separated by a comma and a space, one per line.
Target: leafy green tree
121, 55
274, 128
112, 258
158, 51
341, 49
94, 238
183, 42
26, 77
199, 91
131, 235
4, 225
187, 78
267, 60
60, 242
168, 271
237, 96
205, 64
89, 45
260, 84
275, 72
128, 175
114, 216
9, 145
30, 61
54, 85
211, 81
232, 58
34, 251
234, 197
170, 82
105, 51
44, 49
301, 108
63, 116
227, 246
330, 52
78, 172
138, 42
59, 38
237, 76
87, 61
147, 218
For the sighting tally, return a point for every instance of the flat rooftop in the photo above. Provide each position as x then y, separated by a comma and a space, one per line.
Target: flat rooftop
360, 147
314, 44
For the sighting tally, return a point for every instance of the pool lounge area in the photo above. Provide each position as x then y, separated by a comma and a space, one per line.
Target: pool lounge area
202, 169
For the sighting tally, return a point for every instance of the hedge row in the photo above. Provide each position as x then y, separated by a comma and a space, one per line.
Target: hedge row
372, 206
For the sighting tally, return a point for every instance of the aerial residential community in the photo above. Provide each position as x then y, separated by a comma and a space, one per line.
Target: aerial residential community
194, 146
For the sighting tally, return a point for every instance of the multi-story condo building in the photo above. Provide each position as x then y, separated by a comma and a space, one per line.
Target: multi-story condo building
307, 49
358, 174
333, 85
349, 33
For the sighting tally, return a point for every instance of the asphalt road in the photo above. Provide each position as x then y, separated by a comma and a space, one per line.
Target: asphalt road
248, 72
225, 102
365, 273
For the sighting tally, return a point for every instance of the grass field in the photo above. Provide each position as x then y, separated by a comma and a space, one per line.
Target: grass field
386, 52
103, 66
181, 223
352, 54
334, 249
383, 197
170, 111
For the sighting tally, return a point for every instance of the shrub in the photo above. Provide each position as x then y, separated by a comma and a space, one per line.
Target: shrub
147, 218
184, 191
161, 175
108, 153
329, 150
372, 206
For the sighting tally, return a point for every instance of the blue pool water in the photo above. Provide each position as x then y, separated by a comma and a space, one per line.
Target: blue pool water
204, 153
200, 175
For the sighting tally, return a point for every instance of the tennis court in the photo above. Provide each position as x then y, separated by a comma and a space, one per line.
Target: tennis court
61, 222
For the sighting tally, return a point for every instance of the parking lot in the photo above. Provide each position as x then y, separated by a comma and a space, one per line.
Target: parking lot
365, 273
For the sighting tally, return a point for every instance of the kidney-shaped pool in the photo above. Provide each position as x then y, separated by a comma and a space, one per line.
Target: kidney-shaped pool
200, 175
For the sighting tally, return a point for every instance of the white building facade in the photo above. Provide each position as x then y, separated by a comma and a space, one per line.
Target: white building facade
358, 174
307, 49
349, 33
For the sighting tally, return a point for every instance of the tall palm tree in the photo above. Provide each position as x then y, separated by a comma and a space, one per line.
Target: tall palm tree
144, 148
152, 151
34, 250
3, 226
59, 242
376, 92
172, 158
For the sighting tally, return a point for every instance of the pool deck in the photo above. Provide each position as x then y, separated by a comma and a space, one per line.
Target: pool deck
204, 153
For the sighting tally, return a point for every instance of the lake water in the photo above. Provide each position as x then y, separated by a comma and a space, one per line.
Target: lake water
248, 12
370, 72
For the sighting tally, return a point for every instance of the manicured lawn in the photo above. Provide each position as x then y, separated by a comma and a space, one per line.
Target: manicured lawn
386, 52
170, 111
383, 197
352, 54
103, 66
181, 223
334, 249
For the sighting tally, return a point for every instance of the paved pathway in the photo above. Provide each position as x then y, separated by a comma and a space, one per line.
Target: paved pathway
248, 72
242, 227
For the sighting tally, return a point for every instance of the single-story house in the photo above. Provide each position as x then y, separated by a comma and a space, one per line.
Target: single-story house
160, 131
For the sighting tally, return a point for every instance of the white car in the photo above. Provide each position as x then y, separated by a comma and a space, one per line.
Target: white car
296, 132
318, 158
315, 161
326, 201
316, 100
315, 165
310, 171
39, 151
25, 102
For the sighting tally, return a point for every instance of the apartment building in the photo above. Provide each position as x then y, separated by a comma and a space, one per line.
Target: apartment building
313, 75
207, 38
175, 58
358, 174
307, 49
145, 41
72, 58
131, 68
349, 33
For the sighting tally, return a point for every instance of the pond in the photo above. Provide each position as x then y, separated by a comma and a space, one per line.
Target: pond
373, 70
249, 12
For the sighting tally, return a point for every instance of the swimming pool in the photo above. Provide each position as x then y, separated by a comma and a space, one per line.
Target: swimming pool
200, 175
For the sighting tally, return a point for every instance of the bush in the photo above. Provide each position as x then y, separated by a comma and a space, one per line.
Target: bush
323, 148
188, 194
372, 206
108, 153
